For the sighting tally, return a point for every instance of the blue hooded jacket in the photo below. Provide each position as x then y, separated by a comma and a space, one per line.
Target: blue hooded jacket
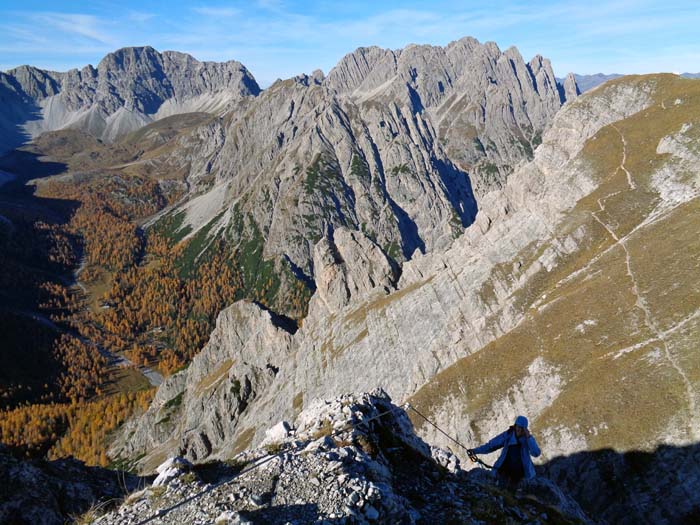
528, 448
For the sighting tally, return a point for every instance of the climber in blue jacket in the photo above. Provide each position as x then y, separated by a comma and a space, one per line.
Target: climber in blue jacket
514, 463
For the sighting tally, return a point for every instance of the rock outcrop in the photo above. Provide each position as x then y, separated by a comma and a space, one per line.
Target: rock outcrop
352, 459
347, 267
54, 492
571, 90
196, 410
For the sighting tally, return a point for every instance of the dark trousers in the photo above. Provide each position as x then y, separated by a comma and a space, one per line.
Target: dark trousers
508, 480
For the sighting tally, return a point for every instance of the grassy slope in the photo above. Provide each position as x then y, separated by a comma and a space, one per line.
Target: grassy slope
81, 152
630, 401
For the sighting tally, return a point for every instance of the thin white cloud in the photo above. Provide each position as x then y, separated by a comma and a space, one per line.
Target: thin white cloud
88, 26
22, 34
270, 4
273, 6
140, 17
217, 12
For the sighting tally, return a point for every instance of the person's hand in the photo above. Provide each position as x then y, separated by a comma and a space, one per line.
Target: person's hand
526, 433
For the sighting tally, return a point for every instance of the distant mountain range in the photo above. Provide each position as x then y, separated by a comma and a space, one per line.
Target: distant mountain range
588, 82
128, 89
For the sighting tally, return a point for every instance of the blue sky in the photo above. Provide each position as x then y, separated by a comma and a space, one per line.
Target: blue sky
281, 38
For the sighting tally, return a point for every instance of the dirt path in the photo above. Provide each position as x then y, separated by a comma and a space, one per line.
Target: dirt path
77, 272
640, 301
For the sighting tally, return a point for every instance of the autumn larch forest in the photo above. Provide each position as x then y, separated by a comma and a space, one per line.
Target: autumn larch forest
94, 285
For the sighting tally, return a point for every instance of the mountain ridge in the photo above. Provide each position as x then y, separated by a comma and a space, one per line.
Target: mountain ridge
591, 81
378, 132
475, 243
129, 88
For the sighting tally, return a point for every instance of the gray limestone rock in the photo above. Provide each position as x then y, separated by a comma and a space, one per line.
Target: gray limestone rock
129, 88
196, 411
396, 144
350, 459
571, 90
337, 281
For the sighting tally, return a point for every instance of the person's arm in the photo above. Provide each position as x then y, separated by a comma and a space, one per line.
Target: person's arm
532, 446
492, 445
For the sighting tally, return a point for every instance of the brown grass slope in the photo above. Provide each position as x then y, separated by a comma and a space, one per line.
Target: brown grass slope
618, 321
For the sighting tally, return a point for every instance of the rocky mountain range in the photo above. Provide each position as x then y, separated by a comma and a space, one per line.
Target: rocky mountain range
396, 144
588, 82
479, 239
128, 89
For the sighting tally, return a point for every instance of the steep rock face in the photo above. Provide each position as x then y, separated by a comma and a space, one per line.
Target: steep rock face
328, 165
395, 144
571, 90
600, 355
196, 411
128, 89
334, 262
489, 108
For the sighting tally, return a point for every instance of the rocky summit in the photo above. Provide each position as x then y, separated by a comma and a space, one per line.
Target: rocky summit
353, 459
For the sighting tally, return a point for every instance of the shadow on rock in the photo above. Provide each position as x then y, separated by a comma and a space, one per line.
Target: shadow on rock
29, 165
295, 513
50, 492
662, 486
